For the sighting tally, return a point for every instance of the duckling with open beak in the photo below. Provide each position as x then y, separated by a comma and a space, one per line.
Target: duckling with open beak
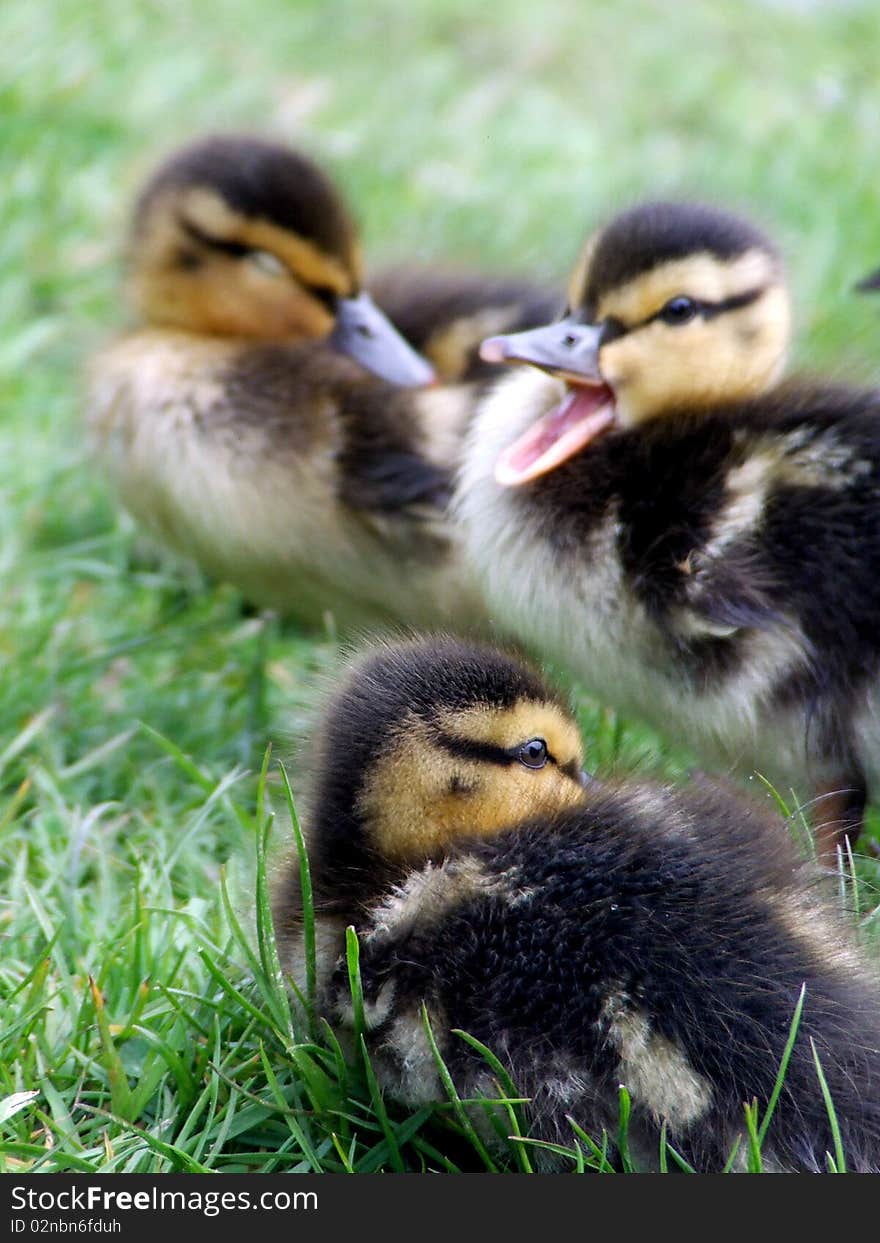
648, 503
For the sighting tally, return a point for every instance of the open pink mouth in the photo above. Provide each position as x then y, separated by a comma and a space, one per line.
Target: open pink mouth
584, 413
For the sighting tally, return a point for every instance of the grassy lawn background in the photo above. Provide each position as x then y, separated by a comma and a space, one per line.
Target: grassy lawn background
492, 134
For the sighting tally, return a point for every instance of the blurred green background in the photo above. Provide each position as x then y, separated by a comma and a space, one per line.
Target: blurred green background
492, 134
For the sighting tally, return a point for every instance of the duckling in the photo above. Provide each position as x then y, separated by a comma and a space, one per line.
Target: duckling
252, 421
445, 315
869, 283
591, 934
652, 506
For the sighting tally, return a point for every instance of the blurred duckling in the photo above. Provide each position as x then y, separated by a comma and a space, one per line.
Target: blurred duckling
447, 314
591, 935
869, 283
253, 424
651, 506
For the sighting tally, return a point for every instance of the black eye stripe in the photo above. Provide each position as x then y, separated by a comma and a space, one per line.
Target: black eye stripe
471, 749
733, 303
325, 294
236, 250
613, 329
571, 769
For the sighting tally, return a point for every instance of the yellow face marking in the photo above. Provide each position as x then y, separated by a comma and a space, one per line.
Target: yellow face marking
422, 797
227, 297
704, 363
702, 276
707, 361
507, 727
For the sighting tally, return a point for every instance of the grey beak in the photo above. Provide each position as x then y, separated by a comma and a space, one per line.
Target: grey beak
364, 334
566, 348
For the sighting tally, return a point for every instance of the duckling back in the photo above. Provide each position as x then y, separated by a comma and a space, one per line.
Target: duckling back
652, 939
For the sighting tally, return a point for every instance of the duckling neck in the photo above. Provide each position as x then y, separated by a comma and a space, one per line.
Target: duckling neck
347, 875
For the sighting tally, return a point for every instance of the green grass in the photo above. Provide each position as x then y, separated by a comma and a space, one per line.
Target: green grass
152, 1030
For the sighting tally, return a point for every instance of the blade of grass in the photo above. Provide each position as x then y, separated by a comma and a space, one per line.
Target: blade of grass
381, 1112
664, 1155
454, 1098
684, 1166
624, 1111
290, 1119
729, 1163
352, 959
508, 1086
599, 1154
839, 1158
308, 906
266, 940
237, 996
120, 1093
15, 1103
783, 1065
192, 770
750, 1112
344, 1157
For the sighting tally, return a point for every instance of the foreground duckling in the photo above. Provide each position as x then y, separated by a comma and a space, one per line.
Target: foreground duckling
590, 935
651, 507
244, 424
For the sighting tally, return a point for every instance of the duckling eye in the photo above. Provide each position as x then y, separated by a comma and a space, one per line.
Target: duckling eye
533, 754
267, 262
678, 310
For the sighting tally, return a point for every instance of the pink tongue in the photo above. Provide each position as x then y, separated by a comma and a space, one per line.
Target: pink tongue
580, 417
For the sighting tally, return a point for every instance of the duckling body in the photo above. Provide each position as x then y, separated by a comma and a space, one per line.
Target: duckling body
266, 420
286, 470
705, 559
621, 934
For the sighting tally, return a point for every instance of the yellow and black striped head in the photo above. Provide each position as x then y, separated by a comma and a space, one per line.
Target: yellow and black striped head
236, 236
672, 307
431, 741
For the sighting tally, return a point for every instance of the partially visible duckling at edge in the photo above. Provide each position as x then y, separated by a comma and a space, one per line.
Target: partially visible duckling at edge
869, 283
242, 425
649, 505
591, 935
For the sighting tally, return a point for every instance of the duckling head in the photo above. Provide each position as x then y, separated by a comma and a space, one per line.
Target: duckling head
672, 308
235, 236
430, 741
